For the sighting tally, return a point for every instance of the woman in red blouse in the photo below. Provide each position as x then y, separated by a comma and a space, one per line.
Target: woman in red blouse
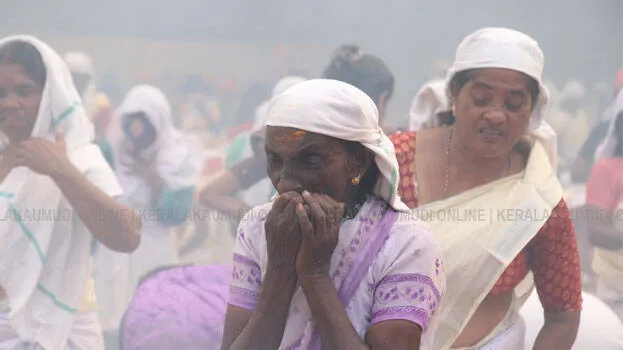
604, 191
496, 94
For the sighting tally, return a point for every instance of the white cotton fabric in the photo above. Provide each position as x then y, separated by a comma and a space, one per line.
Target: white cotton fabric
39, 280
282, 85
177, 160
509, 49
410, 250
179, 163
429, 101
340, 110
86, 334
81, 63
607, 148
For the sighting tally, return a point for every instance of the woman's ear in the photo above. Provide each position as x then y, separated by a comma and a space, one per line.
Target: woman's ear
363, 161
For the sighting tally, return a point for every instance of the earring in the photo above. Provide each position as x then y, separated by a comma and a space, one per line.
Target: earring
453, 113
355, 181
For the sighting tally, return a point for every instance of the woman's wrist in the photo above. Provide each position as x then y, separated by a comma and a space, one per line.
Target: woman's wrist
314, 278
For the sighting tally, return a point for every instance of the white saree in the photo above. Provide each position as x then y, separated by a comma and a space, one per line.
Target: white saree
477, 254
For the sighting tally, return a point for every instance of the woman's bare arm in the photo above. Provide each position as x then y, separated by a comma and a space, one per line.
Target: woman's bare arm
336, 330
559, 331
114, 224
602, 232
263, 327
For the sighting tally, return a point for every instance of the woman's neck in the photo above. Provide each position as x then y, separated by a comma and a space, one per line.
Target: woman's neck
470, 163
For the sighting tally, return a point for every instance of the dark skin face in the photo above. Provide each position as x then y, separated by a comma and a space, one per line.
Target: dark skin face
492, 111
20, 97
299, 160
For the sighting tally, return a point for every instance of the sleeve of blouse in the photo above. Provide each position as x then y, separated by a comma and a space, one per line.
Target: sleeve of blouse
601, 191
555, 261
409, 277
246, 282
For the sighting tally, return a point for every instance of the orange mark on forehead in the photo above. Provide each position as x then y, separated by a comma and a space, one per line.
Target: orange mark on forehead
290, 137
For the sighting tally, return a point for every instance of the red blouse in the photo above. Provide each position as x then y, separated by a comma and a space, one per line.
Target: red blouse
605, 185
552, 255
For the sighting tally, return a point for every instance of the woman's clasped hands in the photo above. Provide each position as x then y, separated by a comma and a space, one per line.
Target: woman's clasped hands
302, 231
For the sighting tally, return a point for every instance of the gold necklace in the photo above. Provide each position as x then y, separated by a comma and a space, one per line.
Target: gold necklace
447, 172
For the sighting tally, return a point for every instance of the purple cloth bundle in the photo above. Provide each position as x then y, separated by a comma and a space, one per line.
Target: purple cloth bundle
178, 308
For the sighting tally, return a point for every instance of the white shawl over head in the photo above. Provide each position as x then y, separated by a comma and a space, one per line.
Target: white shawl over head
340, 110
607, 148
428, 102
509, 49
281, 86
177, 155
81, 63
45, 248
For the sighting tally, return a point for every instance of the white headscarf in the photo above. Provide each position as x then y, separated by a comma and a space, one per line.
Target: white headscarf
81, 63
509, 49
178, 160
607, 148
428, 102
45, 262
337, 109
281, 86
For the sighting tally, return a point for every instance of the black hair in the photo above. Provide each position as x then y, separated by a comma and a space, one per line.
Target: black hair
461, 78
368, 180
365, 71
28, 57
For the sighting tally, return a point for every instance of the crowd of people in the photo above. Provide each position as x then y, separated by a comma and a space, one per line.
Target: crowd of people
488, 219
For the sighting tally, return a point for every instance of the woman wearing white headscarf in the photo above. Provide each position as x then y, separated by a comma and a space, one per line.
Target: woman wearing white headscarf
158, 168
48, 297
494, 170
430, 107
83, 75
247, 172
330, 263
603, 198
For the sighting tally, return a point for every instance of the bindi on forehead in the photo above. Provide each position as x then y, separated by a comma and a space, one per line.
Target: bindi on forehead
291, 136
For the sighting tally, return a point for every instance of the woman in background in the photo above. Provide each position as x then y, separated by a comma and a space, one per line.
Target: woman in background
158, 168
604, 204
350, 64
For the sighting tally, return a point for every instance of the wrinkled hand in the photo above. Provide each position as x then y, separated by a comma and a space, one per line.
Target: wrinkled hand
283, 233
321, 229
43, 156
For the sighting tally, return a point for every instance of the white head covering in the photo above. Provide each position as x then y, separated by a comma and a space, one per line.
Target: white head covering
337, 109
574, 90
45, 263
509, 49
281, 86
428, 102
178, 160
286, 83
607, 148
79, 62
